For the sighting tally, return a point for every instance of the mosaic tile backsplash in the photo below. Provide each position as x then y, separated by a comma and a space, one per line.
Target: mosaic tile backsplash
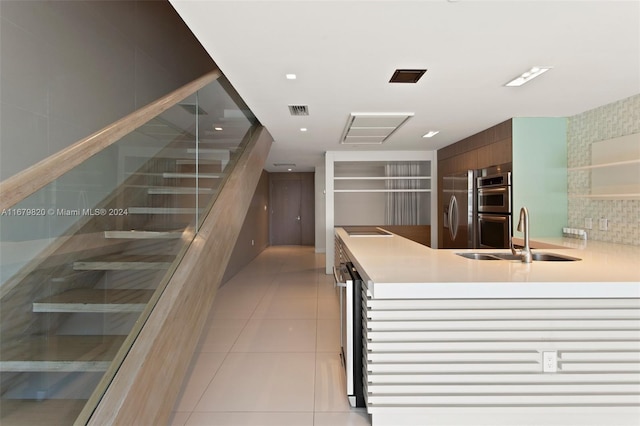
617, 119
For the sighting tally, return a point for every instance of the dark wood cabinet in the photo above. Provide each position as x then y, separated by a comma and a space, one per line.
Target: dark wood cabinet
490, 147
493, 154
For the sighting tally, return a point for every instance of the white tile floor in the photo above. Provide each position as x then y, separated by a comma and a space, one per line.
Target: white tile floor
269, 352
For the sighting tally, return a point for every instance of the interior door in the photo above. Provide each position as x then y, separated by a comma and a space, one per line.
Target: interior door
286, 226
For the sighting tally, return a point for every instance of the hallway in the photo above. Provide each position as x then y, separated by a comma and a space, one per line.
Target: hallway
269, 354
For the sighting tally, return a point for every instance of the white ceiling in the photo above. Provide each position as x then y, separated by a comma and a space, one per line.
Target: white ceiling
344, 53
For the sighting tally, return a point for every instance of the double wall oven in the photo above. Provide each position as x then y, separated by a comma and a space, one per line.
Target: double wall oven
493, 217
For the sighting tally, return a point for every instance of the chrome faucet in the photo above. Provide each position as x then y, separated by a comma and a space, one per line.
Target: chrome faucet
523, 226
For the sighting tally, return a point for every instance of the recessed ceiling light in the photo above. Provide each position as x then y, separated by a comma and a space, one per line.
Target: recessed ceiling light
217, 128
291, 76
289, 170
527, 76
303, 129
431, 133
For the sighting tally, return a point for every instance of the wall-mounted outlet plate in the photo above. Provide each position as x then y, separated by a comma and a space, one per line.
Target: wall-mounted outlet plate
588, 223
549, 361
604, 224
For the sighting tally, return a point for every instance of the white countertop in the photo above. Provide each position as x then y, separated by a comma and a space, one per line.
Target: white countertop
396, 268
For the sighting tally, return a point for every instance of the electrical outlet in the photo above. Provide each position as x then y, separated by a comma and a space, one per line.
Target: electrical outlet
588, 223
604, 224
549, 362
253, 243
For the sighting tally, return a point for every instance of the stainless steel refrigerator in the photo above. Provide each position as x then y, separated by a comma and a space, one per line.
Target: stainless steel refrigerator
458, 206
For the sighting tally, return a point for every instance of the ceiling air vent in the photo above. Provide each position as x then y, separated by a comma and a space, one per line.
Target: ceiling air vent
406, 76
298, 109
372, 128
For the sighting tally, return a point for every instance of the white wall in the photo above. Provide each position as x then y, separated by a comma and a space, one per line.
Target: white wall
69, 68
320, 209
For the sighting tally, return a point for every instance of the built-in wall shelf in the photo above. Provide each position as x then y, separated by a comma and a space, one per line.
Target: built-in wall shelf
381, 190
614, 172
383, 178
374, 188
384, 184
599, 166
621, 196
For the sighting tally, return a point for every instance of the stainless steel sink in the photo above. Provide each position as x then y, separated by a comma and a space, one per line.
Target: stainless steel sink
544, 257
479, 256
507, 256
551, 257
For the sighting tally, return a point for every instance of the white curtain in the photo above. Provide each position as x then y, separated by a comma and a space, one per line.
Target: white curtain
403, 208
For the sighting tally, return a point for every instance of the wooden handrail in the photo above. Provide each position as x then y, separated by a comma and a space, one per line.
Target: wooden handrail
19, 186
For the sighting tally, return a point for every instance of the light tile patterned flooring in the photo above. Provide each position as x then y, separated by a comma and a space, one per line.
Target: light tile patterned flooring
269, 354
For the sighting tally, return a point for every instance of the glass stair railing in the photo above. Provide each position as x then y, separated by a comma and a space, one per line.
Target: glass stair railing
84, 258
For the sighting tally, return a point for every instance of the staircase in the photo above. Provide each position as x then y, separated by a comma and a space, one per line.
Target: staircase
66, 314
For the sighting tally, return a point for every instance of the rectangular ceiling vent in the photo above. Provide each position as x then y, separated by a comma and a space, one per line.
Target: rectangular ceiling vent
298, 109
407, 76
372, 128
284, 164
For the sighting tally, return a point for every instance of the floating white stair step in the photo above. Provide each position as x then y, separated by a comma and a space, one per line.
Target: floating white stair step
193, 162
61, 354
166, 190
124, 262
143, 235
162, 210
159, 223
95, 300
192, 175
210, 151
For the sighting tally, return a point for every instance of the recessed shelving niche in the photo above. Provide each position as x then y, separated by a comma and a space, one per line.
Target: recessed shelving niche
614, 172
383, 177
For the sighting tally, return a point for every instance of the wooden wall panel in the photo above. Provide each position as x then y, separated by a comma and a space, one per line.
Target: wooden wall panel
145, 388
255, 229
307, 209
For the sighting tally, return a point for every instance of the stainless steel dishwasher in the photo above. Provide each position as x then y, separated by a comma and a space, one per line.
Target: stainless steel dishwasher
349, 282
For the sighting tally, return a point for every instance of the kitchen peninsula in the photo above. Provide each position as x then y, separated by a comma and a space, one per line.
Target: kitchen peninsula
457, 341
